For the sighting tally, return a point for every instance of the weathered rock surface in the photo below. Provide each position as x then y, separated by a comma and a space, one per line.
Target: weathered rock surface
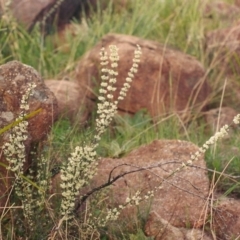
237, 3
167, 79
226, 218
72, 101
28, 12
218, 117
222, 9
224, 46
180, 200
14, 80
161, 229
232, 92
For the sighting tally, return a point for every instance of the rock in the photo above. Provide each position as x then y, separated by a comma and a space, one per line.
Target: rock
116, 5
182, 197
163, 82
223, 45
225, 117
161, 229
232, 93
72, 102
28, 12
222, 9
237, 3
14, 78
63, 38
226, 218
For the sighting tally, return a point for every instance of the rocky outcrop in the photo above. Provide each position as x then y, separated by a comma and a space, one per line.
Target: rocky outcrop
160, 229
223, 49
218, 117
226, 218
59, 12
180, 208
14, 80
72, 101
224, 46
237, 3
167, 80
181, 197
28, 12
222, 9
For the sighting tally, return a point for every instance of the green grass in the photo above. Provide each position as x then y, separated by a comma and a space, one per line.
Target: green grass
178, 23
159, 23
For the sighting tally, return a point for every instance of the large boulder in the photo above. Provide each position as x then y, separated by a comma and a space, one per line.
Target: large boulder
179, 199
223, 45
28, 12
167, 80
223, 48
14, 80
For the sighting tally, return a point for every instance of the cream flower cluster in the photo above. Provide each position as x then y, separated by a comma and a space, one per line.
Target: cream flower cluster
80, 168
14, 152
133, 70
25, 192
52, 10
218, 135
42, 177
236, 119
135, 199
14, 149
81, 165
113, 214
107, 107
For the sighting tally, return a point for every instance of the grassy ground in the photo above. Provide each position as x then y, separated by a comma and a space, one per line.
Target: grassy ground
178, 23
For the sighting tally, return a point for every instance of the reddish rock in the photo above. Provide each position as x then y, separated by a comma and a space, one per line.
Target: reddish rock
237, 3
226, 218
117, 5
167, 79
223, 45
222, 9
232, 93
161, 229
72, 101
14, 80
28, 12
219, 117
182, 197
